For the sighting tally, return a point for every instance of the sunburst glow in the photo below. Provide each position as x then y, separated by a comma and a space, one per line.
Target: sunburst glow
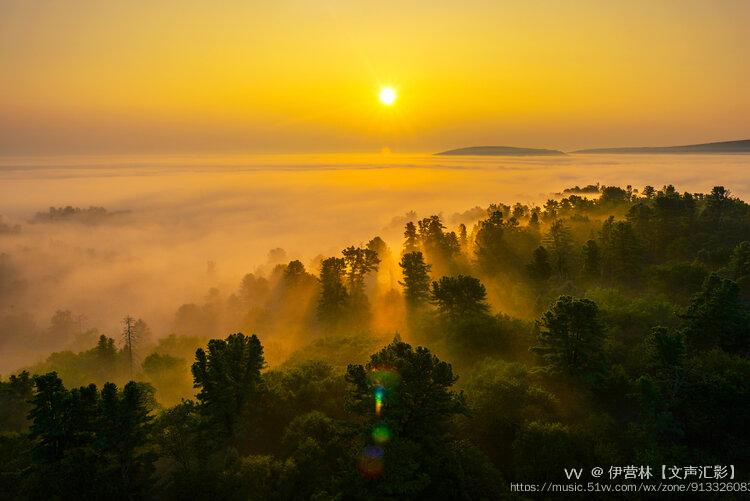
387, 96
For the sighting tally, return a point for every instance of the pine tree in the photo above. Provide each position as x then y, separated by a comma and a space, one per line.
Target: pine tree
592, 260
539, 268
411, 243
416, 279
571, 335
560, 245
333, 294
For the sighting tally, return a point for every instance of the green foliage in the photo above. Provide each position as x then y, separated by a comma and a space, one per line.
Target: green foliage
418, 405
333, 294
416, 282
560, 245
15, 397
491, 249
503, 397
717, 317
228, 378
422, 397
592, 259
622, 257
539, 268
91, 444
571, 336
714, 406
650, 368
459, 296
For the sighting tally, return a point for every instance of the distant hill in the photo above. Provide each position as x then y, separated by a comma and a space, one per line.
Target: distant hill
742, 146
501, 151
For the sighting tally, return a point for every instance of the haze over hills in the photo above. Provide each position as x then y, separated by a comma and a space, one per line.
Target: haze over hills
500, 151
741, 146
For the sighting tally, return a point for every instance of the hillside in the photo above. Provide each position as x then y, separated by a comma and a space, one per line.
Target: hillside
742, 146
501, 151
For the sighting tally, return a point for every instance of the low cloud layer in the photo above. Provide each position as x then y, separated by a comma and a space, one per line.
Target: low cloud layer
177, 226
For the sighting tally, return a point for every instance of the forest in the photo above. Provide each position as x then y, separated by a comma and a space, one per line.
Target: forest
609, 326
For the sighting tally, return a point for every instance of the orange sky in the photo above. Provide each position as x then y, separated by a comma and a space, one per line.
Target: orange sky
147, 76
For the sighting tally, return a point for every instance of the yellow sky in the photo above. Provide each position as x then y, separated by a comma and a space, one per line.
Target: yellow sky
84, 76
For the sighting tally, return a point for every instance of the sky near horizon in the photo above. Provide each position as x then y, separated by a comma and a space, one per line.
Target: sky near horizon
163, 76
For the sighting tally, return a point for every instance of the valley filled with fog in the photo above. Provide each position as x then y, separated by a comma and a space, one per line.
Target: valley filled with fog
168, 231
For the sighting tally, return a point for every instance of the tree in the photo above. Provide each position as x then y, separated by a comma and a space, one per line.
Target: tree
411, 243
90, 444
714, 405
129, 339
63, 328
491, 250
717, 317
405, 400
739, 264
560, 244
359, 262
570, 335
539, 268
463, 238
124, 427
295, 274
228, 378
622, 251
15, 396
592, 260
534, 219
435, 242
333, 294
668, 347
416, 279
459, 296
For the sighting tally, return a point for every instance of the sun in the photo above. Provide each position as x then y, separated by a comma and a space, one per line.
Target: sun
387, 96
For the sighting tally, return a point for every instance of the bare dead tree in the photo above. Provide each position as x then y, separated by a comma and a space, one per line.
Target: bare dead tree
130, 339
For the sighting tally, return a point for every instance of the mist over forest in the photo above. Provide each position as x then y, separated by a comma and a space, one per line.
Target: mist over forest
144, 236
249, 342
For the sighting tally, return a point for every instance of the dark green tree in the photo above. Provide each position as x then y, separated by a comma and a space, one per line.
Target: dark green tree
360, 262
622, 252
717, 317
490, 247
416, 282
560, 245
459, 296
90, 445
571, 335
229, 381
15, 402
412, 424
539, 268
334, 297
592, 259
124, 429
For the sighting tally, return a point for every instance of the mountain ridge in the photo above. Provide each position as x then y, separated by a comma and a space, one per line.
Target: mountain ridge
737, 147
501, 151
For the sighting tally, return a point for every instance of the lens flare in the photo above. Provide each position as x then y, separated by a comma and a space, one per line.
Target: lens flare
384, 381
379, 394
370, 463
381, 433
